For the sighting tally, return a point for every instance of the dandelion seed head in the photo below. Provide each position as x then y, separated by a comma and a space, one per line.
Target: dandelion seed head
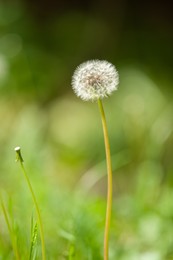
95, 79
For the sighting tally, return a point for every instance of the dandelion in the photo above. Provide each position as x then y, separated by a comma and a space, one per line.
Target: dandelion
92, 81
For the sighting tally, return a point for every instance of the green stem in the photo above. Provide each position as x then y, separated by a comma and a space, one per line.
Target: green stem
13, 239
109, 184
37, 210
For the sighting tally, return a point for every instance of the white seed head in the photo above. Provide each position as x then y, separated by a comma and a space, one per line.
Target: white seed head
18, 154
17, 148
95, 79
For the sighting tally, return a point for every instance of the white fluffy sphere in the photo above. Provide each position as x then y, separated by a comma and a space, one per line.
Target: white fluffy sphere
95, 79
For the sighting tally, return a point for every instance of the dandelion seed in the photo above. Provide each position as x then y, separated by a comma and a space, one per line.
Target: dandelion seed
94, 80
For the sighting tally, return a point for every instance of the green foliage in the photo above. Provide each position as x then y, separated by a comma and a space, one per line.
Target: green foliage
34, 234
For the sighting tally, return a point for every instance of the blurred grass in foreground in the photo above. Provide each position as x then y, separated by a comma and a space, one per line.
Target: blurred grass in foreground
63, 152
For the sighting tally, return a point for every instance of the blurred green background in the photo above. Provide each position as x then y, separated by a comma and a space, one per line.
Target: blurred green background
41, 44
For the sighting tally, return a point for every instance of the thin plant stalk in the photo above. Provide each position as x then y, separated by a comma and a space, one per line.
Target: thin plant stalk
20, 159
13, 239
33, 239
109, 182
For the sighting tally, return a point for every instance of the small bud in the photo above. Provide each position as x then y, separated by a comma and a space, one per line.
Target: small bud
18, 154
94, 80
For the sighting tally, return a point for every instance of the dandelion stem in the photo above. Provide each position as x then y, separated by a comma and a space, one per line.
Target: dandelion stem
20, 159
109, 183
13, 239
